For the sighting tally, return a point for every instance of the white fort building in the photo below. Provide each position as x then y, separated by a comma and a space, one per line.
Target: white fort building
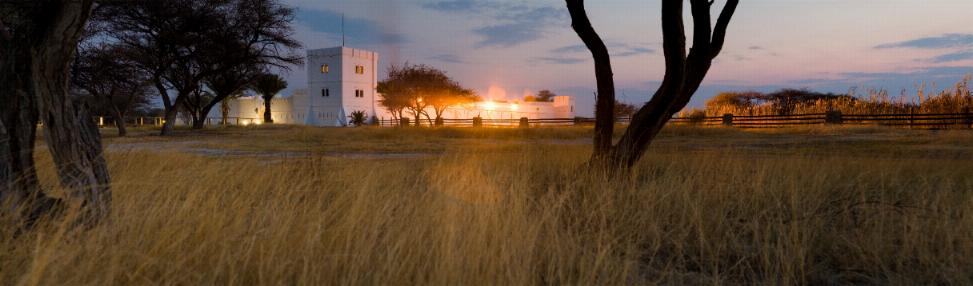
343, 80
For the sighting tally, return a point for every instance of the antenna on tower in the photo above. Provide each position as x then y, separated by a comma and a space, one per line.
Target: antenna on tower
342, 29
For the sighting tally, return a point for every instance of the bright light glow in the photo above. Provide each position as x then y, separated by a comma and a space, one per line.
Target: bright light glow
514, 106
490, 105
496, 92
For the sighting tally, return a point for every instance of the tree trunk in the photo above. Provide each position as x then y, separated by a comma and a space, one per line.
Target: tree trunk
199, 122
20, 193
225, 111
605, 105
268, 116
169, 122
70, 131
683, 74
120, 122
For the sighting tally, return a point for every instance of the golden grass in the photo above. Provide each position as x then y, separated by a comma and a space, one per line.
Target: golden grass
512, 207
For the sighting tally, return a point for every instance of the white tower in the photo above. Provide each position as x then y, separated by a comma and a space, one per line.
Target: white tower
340, 81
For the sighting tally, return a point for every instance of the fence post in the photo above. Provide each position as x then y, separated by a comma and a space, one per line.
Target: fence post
524, 122
969, 117
728, 119
477, 121
833, 117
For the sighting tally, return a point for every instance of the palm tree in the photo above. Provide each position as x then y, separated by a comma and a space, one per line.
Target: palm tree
268, 85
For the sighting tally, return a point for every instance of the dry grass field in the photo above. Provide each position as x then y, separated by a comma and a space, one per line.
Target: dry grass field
306, 206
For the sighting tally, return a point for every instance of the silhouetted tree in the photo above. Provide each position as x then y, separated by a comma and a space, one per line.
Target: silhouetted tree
450, 94
624, 109
684, 74
184, 42
418, 87
545, 96
268, 85
38, 40
113, 84
225, 85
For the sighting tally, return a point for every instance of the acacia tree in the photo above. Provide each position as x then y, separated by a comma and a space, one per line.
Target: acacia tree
452, 94
38, 39
184, 42
684, 74
226, 85
268, 85
418, 87
392, 99
112, 83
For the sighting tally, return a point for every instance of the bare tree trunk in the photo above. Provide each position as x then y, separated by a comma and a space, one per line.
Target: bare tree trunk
268, 116
225, 110
198, 121
605, 105
683, 74
169, 108
70, 131
170, 121
120, 122
20, 192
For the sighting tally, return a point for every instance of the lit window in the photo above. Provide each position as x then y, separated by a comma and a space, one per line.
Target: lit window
325, 69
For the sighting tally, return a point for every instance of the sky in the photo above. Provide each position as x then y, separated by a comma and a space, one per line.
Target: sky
507, 49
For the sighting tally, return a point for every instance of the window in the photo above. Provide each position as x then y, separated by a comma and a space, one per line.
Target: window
325, 68
360, 69
325, 92
359, 93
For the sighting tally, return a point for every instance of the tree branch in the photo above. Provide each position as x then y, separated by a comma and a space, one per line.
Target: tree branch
605, 105
4, 33
719, 35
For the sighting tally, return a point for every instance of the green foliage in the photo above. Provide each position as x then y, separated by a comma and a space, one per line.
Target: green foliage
268, 85
542, 96
358, 118
417, 87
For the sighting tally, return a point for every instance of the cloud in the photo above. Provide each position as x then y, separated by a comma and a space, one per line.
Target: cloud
570, 49
452, 6
561, 60
515, 24
507, 35
634, 51
939, 42
897, 80
756, 48
448, 58
358, 30
954, 57
620, 50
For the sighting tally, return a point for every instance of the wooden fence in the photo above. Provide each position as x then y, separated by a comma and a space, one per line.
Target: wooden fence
918, 121
924, 121
158, 121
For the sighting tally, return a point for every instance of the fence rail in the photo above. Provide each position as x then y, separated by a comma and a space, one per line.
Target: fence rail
926, 121
921, 121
